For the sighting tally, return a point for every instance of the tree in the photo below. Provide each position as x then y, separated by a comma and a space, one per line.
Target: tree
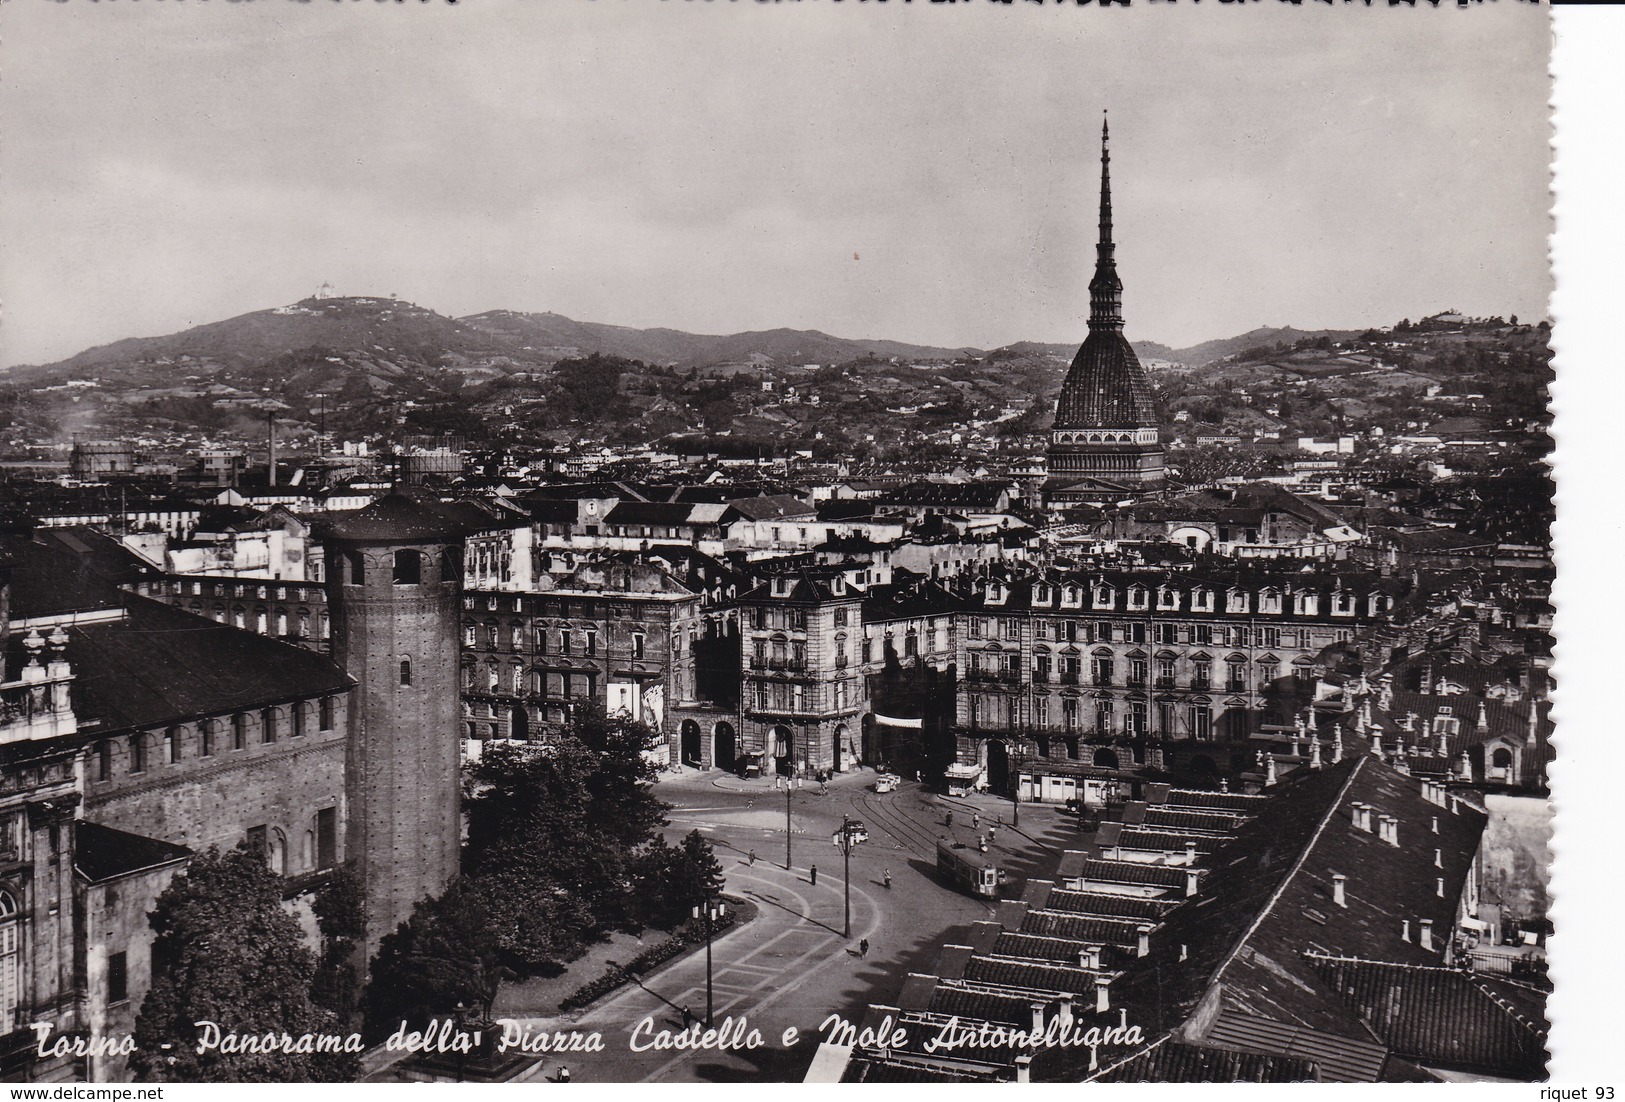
671, 881
552, 832
227, 952
447, 954
339, 916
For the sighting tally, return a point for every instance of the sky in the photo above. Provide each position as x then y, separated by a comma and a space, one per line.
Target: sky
918, 172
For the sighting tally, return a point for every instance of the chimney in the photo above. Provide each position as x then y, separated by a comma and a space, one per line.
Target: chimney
1190, 853
1038, 1017
1269, 771
1103, 999
1424, 934
1339, 882
270, 444
1438, 859
1405, 930
1435, 824
1024, 1068
1094, 957
1190, 882
1438, 886
1143, 947
1083, 957
1063, 1012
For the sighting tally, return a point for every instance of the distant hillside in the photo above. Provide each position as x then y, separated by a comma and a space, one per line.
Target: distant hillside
554, 334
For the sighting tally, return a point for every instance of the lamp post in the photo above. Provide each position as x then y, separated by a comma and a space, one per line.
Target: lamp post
787, 827
846, 873
710, 911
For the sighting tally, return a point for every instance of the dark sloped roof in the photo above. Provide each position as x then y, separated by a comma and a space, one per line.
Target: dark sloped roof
69, 569
103, 853
1440, 1017
649, 512
161, 665
1105, 387
1170, 1061
395, 517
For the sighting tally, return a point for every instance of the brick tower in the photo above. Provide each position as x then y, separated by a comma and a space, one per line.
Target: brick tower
394, 585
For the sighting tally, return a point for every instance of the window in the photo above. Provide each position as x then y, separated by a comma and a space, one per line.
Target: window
1136, 671
1136, 717
327, 837
1269, 637
1201, 674
298, 712
1103, 671
1041, 667
1165, 673
911, 644
1201, 716
975, 627
406, 671
281, 622
408, 568
138, 753
1269, 601
564, 642
1009, 629
1167, 634
1202, 635
104, 761
449, 569
326, 627
304, 624
1165, 719
10, 958
259, 840
325, 713
118, 977
1069, 712
172, 746
239, 730
1103, 717
1137, 596
1237, 679
357, 572
471, 636
592, 643
637, 644
840, 617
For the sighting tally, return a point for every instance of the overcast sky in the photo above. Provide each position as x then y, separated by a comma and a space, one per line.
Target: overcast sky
921, 172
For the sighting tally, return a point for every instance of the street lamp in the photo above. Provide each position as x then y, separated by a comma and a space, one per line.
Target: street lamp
710, 911
787, 828
846, 872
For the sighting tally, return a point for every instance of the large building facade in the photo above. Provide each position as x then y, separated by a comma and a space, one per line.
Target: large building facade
1104, 445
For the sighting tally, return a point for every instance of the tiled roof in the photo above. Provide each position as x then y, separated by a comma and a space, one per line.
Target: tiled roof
1095, 870
1441, 1017
1246, 803
102, 853
1103, 903
1011, 972
1268, 900
1179, 818
981, 1004
161, 665
1086, 928
1105, 387
1169, 1061
69, 569
396, 516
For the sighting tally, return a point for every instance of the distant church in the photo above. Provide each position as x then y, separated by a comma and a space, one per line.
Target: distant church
1104, 444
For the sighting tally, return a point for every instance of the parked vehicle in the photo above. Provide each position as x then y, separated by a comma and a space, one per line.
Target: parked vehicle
969, 869
887, 782
855, 832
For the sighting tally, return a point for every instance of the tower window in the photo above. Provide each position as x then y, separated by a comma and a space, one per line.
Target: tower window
357, 572
406, 671
449, 568
408, 568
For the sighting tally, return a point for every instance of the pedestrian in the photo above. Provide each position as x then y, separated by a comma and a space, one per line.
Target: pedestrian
823, 788
888, 878
992, 832
863, 947
753, 857
976, 820
564, 1074
948, 819
815, 875
916, 776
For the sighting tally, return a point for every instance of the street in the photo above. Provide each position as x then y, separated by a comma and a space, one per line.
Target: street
792, 967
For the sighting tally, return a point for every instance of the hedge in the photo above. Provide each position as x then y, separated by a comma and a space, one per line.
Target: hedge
690, 934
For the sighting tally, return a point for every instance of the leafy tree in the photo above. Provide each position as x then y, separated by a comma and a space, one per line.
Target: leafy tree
227, 952
446, 954
552, 832
672, 880
339, 916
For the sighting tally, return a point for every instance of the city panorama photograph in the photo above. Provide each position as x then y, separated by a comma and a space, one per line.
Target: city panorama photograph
816, 542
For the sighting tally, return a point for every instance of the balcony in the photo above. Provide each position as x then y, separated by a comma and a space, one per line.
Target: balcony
1166, 683
998, 677
1201, 685
1102, 681
36, 707
1136, 682
1235, 686
779, 665
1069, 679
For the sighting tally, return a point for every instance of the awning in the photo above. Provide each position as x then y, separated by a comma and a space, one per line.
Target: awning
1475, 925
916, 724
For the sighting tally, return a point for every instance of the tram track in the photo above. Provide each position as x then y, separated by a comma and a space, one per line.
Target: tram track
910, 836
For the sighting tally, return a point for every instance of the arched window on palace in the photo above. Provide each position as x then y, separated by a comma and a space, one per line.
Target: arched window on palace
11, 956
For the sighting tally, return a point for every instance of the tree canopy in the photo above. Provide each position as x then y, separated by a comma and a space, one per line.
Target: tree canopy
228, 952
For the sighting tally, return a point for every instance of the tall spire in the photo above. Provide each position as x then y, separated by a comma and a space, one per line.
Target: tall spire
1105, 290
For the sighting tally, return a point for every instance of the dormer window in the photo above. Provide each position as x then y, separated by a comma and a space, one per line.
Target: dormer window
995, 593
1071, 596
1237, 602
1308, 604
1342, 603
1202, 600
781, 586
1105, 595
1167, 598
1269, 600
1138, 596
1042, 594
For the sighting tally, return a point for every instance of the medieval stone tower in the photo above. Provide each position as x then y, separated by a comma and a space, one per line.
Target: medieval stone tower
394, 585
